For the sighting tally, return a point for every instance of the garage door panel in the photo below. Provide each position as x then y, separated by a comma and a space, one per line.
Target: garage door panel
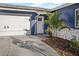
16, 24
12, 33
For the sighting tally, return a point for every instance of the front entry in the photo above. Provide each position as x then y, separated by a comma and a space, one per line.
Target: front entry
40, 25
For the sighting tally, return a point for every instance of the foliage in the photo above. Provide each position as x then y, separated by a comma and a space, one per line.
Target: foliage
74, 44
54, 22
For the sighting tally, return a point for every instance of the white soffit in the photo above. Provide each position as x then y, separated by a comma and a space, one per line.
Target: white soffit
62, 6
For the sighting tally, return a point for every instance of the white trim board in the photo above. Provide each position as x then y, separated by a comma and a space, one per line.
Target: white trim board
75, 18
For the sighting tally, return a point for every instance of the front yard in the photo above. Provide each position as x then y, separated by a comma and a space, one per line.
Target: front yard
61, 46
57, 29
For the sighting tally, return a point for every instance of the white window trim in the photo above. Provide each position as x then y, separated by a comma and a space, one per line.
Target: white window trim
76, 19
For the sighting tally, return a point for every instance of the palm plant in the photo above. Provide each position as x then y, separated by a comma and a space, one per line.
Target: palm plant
54, 23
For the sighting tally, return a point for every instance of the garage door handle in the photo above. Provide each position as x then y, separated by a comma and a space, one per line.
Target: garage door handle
6, 27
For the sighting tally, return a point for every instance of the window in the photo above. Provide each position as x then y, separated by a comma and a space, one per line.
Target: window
77, 18
7, 27
4, 27
39, 19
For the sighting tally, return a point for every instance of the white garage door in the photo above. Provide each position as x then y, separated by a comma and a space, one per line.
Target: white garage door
14, 25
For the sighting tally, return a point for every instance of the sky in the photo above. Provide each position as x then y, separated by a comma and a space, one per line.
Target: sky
42, 5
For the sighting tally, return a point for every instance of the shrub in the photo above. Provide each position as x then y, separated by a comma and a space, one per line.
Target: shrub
74, 44
54, 23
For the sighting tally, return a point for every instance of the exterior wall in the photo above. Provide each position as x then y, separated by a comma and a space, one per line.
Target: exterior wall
68, 15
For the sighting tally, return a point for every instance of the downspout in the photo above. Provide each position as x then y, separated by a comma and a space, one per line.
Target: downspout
36, 23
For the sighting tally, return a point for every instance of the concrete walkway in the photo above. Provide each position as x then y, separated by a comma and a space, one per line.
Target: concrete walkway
24, 46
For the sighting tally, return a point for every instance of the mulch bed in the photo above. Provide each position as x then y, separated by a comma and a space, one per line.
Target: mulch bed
61, 46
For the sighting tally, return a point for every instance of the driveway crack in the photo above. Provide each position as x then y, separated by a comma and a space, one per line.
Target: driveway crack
9, 48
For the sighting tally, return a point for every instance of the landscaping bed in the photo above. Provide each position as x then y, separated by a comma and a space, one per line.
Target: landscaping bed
61, 46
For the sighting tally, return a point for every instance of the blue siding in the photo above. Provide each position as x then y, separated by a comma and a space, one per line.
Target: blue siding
22, 12
68, 14
45, 28
45, 25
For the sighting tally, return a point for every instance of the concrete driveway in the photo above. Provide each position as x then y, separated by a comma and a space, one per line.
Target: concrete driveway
34, 47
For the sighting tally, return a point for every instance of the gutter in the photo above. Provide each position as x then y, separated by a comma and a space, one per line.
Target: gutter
62, 6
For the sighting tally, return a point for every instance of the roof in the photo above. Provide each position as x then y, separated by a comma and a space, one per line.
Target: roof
3, 5
22, 7
62, 6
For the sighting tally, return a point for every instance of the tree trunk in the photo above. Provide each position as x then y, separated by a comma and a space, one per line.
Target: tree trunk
50, 35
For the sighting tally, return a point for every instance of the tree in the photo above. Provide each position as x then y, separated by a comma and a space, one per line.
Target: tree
54, 23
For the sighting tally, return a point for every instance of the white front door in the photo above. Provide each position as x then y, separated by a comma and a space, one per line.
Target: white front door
14, 25
40, 25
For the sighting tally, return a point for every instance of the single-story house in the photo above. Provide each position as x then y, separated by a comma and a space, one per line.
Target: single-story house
70, 14
22, 20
